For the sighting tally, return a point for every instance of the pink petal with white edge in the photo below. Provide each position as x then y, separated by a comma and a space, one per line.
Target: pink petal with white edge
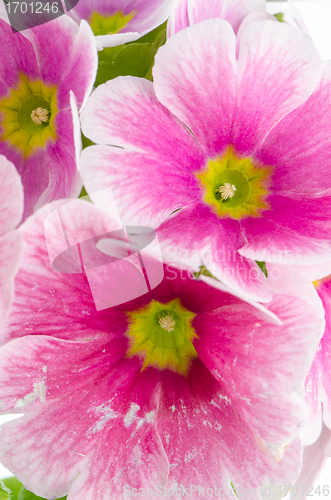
279, 68
11, 200
59, 375
289, 281
208, 445
139, 186
194, 77
299, 147
316, 272
251, 18
30, 317
71, 65
194, 236
275, 385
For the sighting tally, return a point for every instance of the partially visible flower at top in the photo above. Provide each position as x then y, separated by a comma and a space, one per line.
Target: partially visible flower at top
38, 69
115, 22
259, 123
185, 385
189, 12
11, 210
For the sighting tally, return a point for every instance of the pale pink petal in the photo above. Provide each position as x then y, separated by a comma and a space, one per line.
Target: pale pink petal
71, 64
208, 445
178, 19
10, 255
287, 280
313, 461
193, 70
189, 12
313, 397
137, 184
323, 355
278, 69
76, 127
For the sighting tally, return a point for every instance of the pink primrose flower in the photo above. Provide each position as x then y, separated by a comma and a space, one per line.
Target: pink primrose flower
227, 158
187, 386
38, 69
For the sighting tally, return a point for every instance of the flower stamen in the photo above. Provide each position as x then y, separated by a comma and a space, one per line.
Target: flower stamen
39, 115
226, 191
167, 323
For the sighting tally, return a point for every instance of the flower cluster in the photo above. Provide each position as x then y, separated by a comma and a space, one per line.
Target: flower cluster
165, 251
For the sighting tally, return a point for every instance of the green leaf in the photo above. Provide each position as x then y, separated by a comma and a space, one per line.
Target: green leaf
233, 489
134, 58
263, 267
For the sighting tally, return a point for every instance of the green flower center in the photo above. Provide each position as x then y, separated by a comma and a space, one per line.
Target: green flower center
27, 115
108, 25
235, 187
162, 335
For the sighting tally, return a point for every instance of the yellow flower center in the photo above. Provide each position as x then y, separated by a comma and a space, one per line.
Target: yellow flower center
234, 186
27, 115
161, 335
